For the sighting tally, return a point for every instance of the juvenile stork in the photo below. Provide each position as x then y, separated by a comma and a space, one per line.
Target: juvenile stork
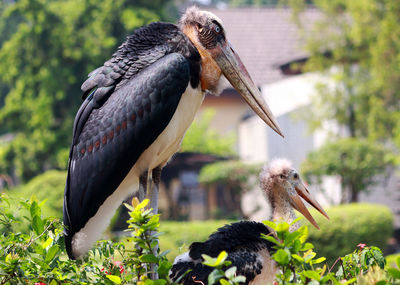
137, 108
250, 253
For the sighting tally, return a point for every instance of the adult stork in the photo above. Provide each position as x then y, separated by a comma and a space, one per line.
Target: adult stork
137, 108
250, 253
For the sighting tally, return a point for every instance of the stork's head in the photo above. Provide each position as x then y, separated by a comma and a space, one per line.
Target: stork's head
207, 33
281, 182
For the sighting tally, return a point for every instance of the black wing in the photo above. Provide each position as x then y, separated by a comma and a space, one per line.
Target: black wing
109, 139
141, 49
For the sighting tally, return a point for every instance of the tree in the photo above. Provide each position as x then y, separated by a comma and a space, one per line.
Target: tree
54, 44
357, 162
353, 44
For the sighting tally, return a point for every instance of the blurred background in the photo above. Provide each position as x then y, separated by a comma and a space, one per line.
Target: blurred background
330, 71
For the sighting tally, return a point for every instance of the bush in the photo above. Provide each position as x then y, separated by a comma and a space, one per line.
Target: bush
48, 186
179, 235
348, 226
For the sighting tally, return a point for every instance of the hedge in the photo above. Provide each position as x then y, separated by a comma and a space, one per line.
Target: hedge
48, 186
348, 226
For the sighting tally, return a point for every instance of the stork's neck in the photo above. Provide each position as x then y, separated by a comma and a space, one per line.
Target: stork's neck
283, 211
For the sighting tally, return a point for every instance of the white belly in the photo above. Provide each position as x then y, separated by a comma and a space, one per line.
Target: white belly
157, 154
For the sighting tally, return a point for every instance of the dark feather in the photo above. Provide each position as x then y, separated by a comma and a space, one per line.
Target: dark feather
145, 46
242, 241
108, 140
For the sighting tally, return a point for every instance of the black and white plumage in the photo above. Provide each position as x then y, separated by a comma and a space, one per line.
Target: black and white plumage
136, 110
246, 249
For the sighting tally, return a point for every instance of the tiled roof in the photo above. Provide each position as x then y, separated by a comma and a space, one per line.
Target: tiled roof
264, 38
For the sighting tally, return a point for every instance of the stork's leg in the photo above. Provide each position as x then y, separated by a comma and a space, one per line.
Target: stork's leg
142, 186
152, 195
156, 177
153, 188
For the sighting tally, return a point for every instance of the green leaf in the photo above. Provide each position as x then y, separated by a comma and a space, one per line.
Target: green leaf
318, 260
281, 257
395, 273
35, 210
270, 224
307, 246
230, 273
291, 237
398, 262
208, 260
224, 282
309, 255
37, 225
304, 233
271, 239
47, 242
351, 281
163, 268
311, 274
282, 227
160, 282
221, 257
51, 253
114, 278
214, 276
379, 257
297, 257
239, 279
148, 258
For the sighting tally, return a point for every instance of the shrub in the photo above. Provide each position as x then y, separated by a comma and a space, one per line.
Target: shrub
348, 226
179, 235
48, 186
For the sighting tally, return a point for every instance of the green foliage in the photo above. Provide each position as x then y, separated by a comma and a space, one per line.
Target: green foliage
232, 173
393, 260
235, 176
348, 226
48, 187
295, 257
222, 274
296, 263
145, 257
359, 38
356, 161
203, 139
179, 235
44, 60
38, 254
360, 261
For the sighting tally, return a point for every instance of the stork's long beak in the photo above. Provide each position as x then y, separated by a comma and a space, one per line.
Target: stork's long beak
299, 205
236, 73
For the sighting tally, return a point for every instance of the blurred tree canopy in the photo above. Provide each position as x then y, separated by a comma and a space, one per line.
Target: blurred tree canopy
356, 161
203, 139
47, 48
356, 44
359, 39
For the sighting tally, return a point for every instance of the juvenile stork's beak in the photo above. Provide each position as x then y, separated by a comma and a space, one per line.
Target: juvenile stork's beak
236, 73
297, 203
